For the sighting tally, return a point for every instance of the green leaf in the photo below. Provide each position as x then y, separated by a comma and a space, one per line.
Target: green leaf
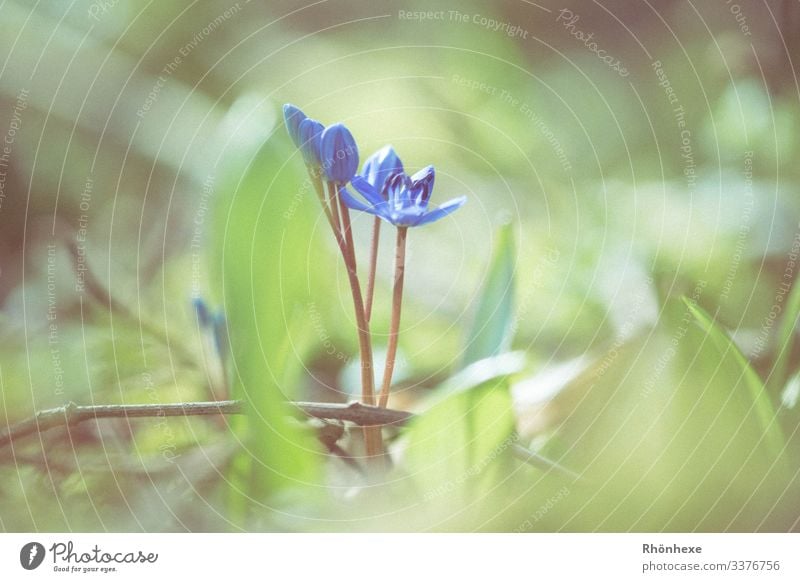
455, 445
493, 326
756, 392
264, 245
779, 376
675, 430
478, 373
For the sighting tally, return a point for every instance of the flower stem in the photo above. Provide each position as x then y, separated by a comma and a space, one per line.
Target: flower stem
333, 199
397, 302
316, 179
373, 265
372, 434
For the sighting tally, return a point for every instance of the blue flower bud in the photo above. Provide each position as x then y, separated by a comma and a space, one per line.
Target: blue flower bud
293, 117
220, 330
339, 154
310, 140
201, 311
379, 165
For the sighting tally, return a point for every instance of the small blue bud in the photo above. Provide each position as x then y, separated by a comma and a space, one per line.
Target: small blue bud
293, 117
201, 311
339, 154
310, 140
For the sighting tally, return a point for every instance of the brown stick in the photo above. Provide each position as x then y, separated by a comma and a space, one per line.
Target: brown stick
355, 412
72, 414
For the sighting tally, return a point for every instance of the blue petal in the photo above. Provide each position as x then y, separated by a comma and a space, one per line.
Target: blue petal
339, 153
367, 190
380, 165
356, 204
410, 216
310, 139
404, 193
352, 202
442, 211
393, 188
423, 185
293, 117
426, 174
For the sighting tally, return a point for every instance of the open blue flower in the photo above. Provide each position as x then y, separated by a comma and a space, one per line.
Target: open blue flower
403, 200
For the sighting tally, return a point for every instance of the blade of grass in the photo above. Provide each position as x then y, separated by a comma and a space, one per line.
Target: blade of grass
763, 407
492, 327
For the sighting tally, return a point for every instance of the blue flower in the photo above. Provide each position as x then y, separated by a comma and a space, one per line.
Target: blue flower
379, 165
339, 154
293, 117
403, 201
202, 312
310, 132
219, 327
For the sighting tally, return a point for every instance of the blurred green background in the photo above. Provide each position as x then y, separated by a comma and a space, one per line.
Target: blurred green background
640, 153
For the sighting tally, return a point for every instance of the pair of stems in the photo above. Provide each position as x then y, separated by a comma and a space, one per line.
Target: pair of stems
397, 302
338, 215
